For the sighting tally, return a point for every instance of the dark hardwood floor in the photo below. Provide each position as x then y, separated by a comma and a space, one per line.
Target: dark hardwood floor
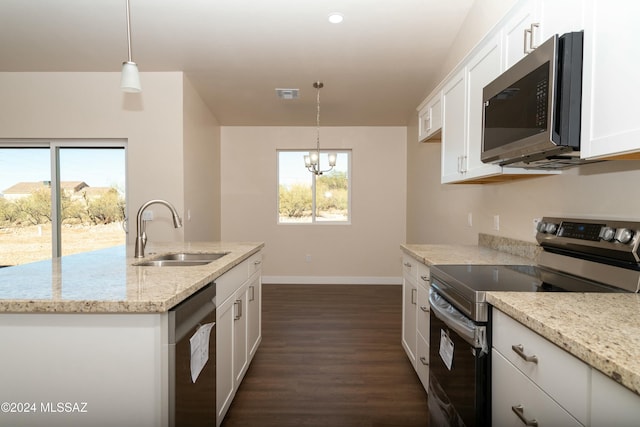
330, 356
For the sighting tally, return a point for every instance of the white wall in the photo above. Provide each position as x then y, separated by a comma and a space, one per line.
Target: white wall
201, 153
364, 252
437, 213
91, 105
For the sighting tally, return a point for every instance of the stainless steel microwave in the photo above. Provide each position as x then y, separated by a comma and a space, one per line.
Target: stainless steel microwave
531, 113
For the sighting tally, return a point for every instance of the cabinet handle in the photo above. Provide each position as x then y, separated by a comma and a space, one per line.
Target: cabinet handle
413, 296
424, 308
407, 264
238, 305
526, 45
253, 293
532, 36
425, 278
423, 360
257, 262
519, 349
519, 411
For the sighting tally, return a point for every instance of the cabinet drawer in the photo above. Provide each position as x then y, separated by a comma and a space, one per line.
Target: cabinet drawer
410, 268
422, 361
553, 368
423, 311
229, 282
512, 389
255, 263
424, 275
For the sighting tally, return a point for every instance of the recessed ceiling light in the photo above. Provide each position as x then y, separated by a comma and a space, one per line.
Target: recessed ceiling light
335, 18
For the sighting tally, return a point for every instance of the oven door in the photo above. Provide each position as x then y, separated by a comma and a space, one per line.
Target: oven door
459, 367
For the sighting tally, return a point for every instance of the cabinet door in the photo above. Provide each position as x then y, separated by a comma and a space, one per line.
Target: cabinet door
240, 355
430, 118
485, 66
517, 33
610, 111
224, 357
559, 17
512, 392
409, 303
453, 127
254, 314
611, 403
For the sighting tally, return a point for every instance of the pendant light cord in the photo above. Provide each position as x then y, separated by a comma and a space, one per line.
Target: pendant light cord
129, 30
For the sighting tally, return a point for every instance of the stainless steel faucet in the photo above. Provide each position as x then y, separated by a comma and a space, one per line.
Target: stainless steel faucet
141, 232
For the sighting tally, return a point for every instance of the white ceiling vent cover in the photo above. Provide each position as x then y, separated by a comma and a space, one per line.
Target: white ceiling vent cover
287, 93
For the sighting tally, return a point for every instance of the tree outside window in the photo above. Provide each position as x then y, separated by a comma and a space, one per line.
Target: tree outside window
304, 198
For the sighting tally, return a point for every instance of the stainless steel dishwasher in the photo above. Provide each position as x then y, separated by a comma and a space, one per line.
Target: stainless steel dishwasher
192, 360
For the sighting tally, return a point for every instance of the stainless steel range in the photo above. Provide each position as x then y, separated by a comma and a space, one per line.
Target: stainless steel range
579, 255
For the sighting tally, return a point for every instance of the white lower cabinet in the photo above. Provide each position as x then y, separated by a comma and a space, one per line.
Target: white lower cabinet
517, 401
535, 380
415, 316
612, 404
238, 328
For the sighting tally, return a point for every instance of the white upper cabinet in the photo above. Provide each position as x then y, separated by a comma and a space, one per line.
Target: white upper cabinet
532, 22
610, 111
454, 127
430, 118
483, 67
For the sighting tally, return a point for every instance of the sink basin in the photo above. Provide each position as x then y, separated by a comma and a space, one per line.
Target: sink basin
170, 263
183, 256
181, 259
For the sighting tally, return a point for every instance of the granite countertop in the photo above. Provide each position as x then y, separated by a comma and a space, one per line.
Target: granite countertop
462, 254
598, 328
105, 281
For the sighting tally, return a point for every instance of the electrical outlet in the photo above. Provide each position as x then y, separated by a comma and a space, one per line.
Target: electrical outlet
307, 258
147, 215
496, 222
470, 219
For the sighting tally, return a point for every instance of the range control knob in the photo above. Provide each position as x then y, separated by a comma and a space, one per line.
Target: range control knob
541, 226
550, 228
623, 235
607, 233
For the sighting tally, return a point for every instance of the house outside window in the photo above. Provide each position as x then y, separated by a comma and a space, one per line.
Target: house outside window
306, 198
59, 198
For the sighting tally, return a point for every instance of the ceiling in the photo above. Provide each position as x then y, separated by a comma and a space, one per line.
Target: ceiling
376, 66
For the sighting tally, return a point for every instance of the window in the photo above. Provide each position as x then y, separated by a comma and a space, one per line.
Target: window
304, 198
60, 198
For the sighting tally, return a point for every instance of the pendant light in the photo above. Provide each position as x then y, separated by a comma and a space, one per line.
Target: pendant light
130, 78
312, 160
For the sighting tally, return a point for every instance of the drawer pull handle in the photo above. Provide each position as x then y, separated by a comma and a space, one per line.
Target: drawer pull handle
407, 264
258, 262
424, 361
424, 308
519, 349
425, 278
519, 411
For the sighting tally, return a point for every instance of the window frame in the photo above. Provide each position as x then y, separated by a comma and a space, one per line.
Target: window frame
314, 221
54, 146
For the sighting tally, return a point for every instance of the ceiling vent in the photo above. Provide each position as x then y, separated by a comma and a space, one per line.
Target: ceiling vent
287, 93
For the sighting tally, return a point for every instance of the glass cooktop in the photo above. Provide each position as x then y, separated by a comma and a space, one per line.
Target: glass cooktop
477, 279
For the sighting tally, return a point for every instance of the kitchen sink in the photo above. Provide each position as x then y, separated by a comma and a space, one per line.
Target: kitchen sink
181, 259
184, 256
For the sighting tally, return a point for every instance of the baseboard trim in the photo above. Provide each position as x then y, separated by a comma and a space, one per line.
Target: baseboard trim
331, 280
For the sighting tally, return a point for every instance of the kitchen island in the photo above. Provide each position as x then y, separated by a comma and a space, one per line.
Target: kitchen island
84, 337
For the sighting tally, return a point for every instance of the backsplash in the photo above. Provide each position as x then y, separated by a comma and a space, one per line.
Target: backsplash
511, 246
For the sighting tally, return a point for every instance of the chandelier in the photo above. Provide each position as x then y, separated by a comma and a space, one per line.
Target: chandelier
312, 160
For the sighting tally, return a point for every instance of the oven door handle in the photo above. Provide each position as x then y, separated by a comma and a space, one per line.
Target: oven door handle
461, 324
